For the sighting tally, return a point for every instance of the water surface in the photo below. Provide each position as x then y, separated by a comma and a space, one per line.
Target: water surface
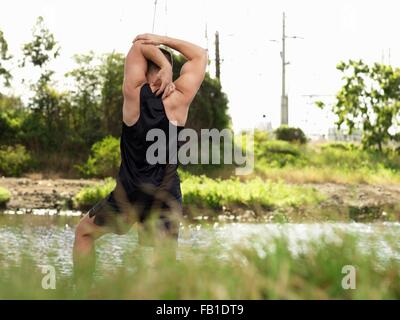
50, 238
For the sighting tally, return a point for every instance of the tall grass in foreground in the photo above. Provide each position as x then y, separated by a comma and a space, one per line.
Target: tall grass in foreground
257, 272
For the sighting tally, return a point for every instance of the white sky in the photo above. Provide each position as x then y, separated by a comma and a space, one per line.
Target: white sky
333, 30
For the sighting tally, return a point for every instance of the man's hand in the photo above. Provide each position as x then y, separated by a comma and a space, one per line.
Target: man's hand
165, 77
149, 38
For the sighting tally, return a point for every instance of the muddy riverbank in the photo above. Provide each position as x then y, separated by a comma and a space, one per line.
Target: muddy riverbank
358, 200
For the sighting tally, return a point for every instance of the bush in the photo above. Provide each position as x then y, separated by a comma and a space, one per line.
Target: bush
278, 154
346, 146
5, 196
204, 192
289, 134
214, 193
104, 160
14, 160
12, 115
89, 196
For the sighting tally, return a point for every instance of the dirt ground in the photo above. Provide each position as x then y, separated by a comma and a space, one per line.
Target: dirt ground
32, 193
36, 192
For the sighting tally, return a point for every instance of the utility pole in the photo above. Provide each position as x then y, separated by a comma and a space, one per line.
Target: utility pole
217, 57
154, 15
284, 97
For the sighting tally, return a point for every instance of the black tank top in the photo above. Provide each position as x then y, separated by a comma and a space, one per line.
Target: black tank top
141, 179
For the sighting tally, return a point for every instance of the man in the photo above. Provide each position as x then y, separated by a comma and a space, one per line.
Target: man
151, 101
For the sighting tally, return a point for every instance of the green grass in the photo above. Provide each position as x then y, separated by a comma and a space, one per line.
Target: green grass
328, 162
261, 272
215, 193
203, 192
5, 196
89, 196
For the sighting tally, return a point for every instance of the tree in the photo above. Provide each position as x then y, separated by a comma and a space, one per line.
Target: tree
4, 57
209, 108
86, 116
12, 115
45, 102
97, 95
369, 100
43, 48
112, 76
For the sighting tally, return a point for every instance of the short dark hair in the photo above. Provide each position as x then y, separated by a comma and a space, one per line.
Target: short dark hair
152, 66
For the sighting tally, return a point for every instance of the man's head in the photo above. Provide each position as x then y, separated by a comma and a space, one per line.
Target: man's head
152, 68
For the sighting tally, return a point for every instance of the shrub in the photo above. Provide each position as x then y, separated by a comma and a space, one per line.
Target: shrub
104, 160
89, 196
275, 153
204, 192
12, 115
5, 196
14, 160
339, 145
215, 193
290, 134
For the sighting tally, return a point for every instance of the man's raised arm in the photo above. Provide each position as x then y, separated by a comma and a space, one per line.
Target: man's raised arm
135, 76
192, 72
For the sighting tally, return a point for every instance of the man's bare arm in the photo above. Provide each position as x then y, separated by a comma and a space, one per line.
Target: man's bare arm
135, 76
192, 72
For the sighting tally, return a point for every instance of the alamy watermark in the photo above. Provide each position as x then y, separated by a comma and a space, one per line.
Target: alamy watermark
204, 149
349, 280
49, 278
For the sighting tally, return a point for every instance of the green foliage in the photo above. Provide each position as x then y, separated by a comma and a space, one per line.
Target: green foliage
46, 103
271, 270
14, 160
89, 196
352, 157
278, 153
203, 192
209, 108
369, 100
215, 193
104, 159
112, 75
5, 196
260, 136
328, 162
45, 124
42, 48
4, 57
86, 115
289, 134
12, 115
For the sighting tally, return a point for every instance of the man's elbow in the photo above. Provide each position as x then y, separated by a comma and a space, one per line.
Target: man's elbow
203, 55
203, 58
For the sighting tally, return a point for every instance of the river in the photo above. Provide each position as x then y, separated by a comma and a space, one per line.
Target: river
50, 237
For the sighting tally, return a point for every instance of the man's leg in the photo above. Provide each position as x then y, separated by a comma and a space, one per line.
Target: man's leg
84, 256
